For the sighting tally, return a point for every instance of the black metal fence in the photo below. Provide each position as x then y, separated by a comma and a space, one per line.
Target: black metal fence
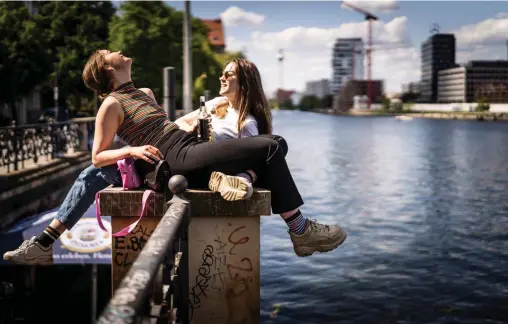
20, 145
156, 287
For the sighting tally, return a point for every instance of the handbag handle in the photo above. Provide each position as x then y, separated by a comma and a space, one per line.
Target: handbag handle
128, 229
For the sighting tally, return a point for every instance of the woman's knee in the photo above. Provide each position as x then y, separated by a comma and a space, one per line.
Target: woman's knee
274, 149
90, 172
282, 143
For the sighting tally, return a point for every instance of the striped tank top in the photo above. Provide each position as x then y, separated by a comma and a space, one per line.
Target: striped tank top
144, 122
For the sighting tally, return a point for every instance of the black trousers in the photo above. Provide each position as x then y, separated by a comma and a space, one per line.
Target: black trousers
264, 154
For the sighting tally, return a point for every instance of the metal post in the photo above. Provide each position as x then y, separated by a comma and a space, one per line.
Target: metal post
280, 58
169, 102
369, 63
94, 293
55, 93
187, 61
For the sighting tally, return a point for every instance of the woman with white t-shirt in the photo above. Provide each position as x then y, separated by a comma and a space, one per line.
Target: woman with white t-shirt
241, 111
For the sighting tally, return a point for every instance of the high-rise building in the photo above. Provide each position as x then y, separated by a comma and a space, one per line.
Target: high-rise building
411, 87
473, 81
319, 88
347, 62
438, 53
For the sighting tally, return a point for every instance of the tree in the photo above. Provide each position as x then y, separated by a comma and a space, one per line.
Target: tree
223, 58
75, 30
287, 104
151, 34
24, 61
327, 101
385, 104
482, 105
310, 102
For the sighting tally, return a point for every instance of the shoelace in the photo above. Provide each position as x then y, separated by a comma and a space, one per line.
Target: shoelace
23, 245
319, 227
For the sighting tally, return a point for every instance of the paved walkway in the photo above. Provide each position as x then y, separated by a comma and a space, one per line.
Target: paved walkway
30, 164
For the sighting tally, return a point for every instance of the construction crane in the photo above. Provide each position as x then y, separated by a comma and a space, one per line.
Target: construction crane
369, 17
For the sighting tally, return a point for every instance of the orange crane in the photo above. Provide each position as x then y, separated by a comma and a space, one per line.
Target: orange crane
369, 17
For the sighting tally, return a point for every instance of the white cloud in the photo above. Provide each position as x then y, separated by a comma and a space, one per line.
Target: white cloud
488, 31
379, 6
395, 59
234, 44
303, 38
235, 16
480, 52
309, 53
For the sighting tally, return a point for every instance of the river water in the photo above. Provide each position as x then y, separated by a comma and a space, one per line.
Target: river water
424, 203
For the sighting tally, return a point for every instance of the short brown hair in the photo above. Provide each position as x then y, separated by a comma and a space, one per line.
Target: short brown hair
96, 76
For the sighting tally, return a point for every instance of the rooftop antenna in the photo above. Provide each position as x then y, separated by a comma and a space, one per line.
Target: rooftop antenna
434, 29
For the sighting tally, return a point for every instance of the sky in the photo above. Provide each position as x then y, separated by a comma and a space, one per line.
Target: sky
306, 32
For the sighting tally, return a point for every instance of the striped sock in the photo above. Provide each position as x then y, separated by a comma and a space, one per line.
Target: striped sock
48, 236
297, 223
245, 175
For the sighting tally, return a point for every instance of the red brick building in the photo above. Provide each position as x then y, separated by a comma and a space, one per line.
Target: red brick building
215, 34
283, 95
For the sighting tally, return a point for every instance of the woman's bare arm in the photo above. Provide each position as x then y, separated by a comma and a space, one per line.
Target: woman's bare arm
109, 117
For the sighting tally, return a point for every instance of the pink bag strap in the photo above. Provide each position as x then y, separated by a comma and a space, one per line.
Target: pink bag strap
129, 228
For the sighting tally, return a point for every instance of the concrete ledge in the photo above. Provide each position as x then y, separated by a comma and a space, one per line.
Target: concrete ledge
204, 203
220, 249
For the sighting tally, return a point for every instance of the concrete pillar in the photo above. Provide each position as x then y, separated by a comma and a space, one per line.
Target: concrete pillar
224, 253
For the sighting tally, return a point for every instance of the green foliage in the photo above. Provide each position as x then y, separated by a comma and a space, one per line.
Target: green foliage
53, 46
73, 30
151, 34
385, 104
310, 102
287, 105
483, 105
327, 101
223, 58
24, 61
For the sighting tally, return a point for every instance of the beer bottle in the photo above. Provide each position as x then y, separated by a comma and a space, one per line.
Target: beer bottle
203, 127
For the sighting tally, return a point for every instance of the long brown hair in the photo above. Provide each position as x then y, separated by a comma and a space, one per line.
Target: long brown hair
96, 76
250, 97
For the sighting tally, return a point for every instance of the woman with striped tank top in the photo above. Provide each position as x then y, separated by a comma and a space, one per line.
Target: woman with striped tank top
142, 123
227, 121
136, 117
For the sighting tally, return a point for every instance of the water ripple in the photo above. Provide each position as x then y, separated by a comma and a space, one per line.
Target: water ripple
424, 204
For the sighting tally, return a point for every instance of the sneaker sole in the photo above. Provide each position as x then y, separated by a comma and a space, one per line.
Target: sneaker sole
230, 188
308, 251
34, 261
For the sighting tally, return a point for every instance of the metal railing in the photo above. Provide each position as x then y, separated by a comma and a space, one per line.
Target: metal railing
155, 289
19, 145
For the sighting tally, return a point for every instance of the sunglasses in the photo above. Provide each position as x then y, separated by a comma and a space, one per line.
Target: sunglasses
226, 74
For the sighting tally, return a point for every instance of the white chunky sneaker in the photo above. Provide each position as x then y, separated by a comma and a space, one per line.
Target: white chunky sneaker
31, 252
231, 188
317, 238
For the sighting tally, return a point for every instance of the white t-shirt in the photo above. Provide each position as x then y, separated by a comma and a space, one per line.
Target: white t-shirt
227, 127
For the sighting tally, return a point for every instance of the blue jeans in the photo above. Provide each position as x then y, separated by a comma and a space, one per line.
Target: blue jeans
82, 194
